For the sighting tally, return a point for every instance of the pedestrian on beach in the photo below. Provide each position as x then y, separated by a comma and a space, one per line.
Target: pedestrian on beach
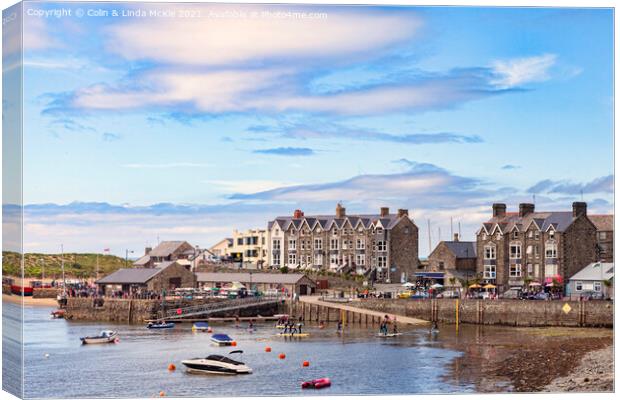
339, 328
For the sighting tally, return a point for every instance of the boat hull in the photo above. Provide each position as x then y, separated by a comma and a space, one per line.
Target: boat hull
215, 368
99, 340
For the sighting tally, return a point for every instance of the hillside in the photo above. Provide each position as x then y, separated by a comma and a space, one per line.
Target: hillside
76, 265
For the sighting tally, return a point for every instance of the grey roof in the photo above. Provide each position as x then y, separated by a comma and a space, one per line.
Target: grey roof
602, 222
245, 277
142, 260
462, 249
164, 249
325, 221
560, 220
130, 275
594, 272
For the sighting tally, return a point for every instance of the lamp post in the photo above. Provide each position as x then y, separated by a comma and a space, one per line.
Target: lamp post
42, 272
127, 251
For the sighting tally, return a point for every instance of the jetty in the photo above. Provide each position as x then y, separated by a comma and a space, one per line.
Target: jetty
316, 308
205, 310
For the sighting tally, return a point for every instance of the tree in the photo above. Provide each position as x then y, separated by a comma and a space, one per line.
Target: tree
284, 270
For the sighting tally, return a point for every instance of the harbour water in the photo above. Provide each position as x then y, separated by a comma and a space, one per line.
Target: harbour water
357, 362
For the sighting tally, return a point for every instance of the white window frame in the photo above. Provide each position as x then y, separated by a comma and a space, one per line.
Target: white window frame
381, 261
360, 259
318, 259
292, 244
276, 244
492, 252
597, 286
381, 245
318, 244
292, 259
551, 250
360, 244
334, 244
578, 286
551, 270
515, 271
490, 271
517, 254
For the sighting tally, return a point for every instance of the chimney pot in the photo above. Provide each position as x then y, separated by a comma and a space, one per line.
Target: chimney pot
525, 209
499, 210
385, 211
298, 214
580, 208
147, 250
402, 212
456, 237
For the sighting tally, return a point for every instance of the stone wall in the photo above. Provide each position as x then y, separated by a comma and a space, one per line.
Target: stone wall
500, 312
45, 293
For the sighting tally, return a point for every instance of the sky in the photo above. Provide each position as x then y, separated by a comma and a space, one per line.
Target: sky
209, 118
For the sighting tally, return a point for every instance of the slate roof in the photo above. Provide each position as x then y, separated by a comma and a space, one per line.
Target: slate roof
560, 220
164, 249
602, 222
245, 277
592, 272
462, 249
142, 260
130, 275
325, 221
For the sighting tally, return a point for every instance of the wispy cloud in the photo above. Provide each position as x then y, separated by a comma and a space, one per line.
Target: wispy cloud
519, 71
603, 184
287, 151
110, 137
168, 165
509, 167
72, 125
247, 186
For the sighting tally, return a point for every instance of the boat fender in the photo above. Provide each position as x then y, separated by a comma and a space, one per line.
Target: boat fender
233, 343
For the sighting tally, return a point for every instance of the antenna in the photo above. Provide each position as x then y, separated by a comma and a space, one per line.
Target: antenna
438, 234
429, 237
459, 229
451, 228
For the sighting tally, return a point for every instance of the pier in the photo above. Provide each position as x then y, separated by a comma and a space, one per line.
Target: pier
313, 308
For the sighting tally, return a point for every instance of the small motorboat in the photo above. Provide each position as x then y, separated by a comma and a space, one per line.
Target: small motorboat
389, 334
217, 364
160, 325
222, 339
294, 334
58, 313
200, 326
104, 337
316, 384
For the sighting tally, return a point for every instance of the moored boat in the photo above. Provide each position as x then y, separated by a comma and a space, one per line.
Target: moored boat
217, 364
222, 339
317, 383
58, 313
103, 337
200, 326
160, 325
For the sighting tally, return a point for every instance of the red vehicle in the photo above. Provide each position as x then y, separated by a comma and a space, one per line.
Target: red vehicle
21, 290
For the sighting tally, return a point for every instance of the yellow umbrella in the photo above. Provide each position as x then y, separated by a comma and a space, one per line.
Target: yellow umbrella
475, 286
489, 286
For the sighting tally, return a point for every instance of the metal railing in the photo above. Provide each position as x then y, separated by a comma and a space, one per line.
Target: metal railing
210, 308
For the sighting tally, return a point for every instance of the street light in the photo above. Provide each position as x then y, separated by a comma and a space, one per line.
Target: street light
127, 251
42, 271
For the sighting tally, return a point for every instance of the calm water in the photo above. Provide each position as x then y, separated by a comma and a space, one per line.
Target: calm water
357, 362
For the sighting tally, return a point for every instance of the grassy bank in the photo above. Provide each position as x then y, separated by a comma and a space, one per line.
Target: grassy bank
77, 265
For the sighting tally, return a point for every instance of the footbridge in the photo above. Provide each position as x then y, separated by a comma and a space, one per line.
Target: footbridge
207, 309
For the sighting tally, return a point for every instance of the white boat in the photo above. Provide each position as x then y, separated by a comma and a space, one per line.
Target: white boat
222, 339
217, 364
104, 337
389, 334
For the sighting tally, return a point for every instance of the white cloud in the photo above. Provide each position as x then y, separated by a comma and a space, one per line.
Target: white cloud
247, 186
515, 72
210, 41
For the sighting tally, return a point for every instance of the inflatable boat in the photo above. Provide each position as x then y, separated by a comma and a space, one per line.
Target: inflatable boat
160, 325
221, 339
317, 384
200, 326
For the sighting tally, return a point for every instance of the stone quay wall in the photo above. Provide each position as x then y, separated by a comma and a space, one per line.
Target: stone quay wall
500, 312
45, 293
135, 311
481, 312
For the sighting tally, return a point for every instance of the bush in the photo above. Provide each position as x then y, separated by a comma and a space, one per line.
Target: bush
284, 270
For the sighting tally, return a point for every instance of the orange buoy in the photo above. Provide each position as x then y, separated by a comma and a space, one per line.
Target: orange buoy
282, 356
267, 349
209, 330
162, 394
171, 367
306, 364
233, 344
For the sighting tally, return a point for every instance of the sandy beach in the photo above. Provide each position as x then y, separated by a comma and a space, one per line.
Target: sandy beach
30, 301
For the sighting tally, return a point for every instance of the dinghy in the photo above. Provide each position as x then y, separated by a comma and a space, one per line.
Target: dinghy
221, 339
217, 364
160, 325
104, 337
200, 326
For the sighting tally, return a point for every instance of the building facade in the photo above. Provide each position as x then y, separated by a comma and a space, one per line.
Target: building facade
250, 247
222, 248
383, 246
454, 260
166, 276
174, 250
282, 283
537, 246
604, 237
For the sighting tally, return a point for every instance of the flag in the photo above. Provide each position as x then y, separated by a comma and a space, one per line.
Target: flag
106, 250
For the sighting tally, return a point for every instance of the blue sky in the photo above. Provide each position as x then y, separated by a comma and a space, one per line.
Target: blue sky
232, 121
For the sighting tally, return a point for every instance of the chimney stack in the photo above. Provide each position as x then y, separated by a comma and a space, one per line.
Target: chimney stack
525, 209
385, 211
341, 212
298, 214
580, 208
147, 250
456, 237
499, 210
402, 212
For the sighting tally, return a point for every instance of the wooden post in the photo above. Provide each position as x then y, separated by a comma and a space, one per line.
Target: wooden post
457, 315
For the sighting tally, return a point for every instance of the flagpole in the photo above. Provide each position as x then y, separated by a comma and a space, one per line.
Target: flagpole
62, 266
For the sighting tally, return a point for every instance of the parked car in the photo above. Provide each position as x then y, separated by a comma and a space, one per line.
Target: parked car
405, 295
271, 292
449, 294
512, 293
591, 295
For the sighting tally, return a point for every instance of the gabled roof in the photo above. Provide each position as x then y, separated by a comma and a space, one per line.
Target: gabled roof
246, 277
462, 249
130, 275
142, 260
595, 272
560, 220
164, 249
327, 221
602, 222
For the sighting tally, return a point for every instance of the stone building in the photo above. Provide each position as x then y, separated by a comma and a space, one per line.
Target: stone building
383, 246
168, 275
177, 250
539, 246
453, 259
283, 283
604, 237
222, 249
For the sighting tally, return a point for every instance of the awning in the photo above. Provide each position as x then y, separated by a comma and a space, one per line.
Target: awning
475, 286
489, 286
432, 275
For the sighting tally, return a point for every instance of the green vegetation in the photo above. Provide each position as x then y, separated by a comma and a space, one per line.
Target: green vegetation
76, 265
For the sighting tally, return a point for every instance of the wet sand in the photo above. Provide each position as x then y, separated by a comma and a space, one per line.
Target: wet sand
30, 301
535, 359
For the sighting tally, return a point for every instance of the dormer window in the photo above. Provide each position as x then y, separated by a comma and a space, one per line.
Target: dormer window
498, 236
484, 236
551, 234
536, 235
515, 235
379, 230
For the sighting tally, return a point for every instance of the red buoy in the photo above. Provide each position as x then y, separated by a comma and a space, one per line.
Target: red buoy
267, 349
306, 364
171, 367
233, 344
282, 356
179, 311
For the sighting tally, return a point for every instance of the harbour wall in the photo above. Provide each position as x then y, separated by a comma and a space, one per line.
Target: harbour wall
135, 311
481, 312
